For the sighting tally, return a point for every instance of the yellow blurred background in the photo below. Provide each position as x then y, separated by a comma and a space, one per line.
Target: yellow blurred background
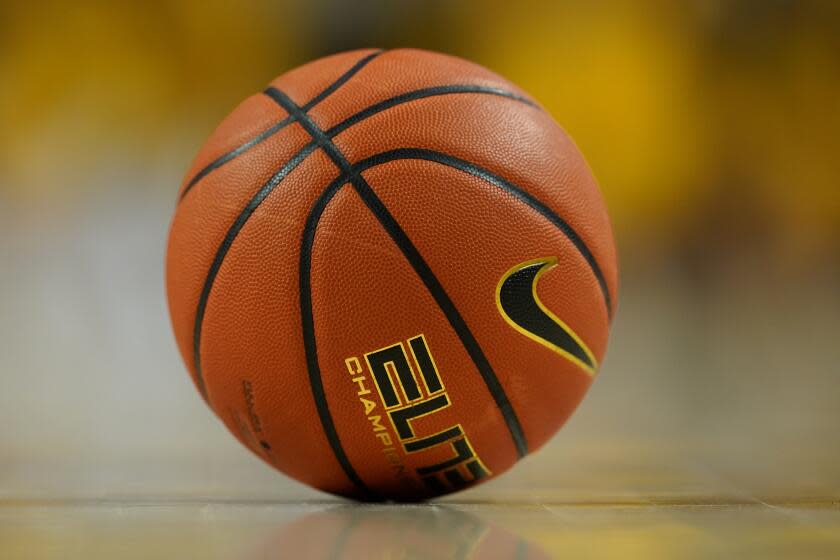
691, 113
711, 125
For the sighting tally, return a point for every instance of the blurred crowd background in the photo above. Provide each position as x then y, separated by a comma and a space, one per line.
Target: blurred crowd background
711, 125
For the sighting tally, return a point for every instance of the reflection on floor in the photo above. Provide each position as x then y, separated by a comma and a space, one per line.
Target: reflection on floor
329, 530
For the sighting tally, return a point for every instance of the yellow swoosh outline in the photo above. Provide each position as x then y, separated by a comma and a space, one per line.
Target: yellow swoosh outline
548, 263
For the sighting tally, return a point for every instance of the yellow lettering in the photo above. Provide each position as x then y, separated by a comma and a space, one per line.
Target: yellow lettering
375, 421
369, 404
353, 365
360, 381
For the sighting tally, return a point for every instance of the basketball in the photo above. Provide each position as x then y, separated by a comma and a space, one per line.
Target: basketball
391, 274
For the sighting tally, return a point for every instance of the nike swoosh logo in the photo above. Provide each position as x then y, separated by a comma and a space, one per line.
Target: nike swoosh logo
517, 300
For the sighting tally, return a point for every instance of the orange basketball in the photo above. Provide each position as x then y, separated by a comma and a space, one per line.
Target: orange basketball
391, 274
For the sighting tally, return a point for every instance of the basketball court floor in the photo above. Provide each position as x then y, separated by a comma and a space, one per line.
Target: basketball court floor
592, 502
538, 529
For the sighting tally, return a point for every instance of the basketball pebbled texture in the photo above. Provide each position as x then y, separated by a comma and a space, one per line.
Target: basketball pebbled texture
391, 274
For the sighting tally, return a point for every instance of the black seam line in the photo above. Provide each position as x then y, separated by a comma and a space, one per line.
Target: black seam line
329, 90
341, 80
221, 252
224, 158
420, 94
310, 127
390, 224
499, 182
308, 328
411, 253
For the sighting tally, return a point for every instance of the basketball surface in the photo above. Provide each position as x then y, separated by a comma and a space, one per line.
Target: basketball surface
391, 274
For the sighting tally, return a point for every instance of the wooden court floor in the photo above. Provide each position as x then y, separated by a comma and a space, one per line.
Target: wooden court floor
480, 530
